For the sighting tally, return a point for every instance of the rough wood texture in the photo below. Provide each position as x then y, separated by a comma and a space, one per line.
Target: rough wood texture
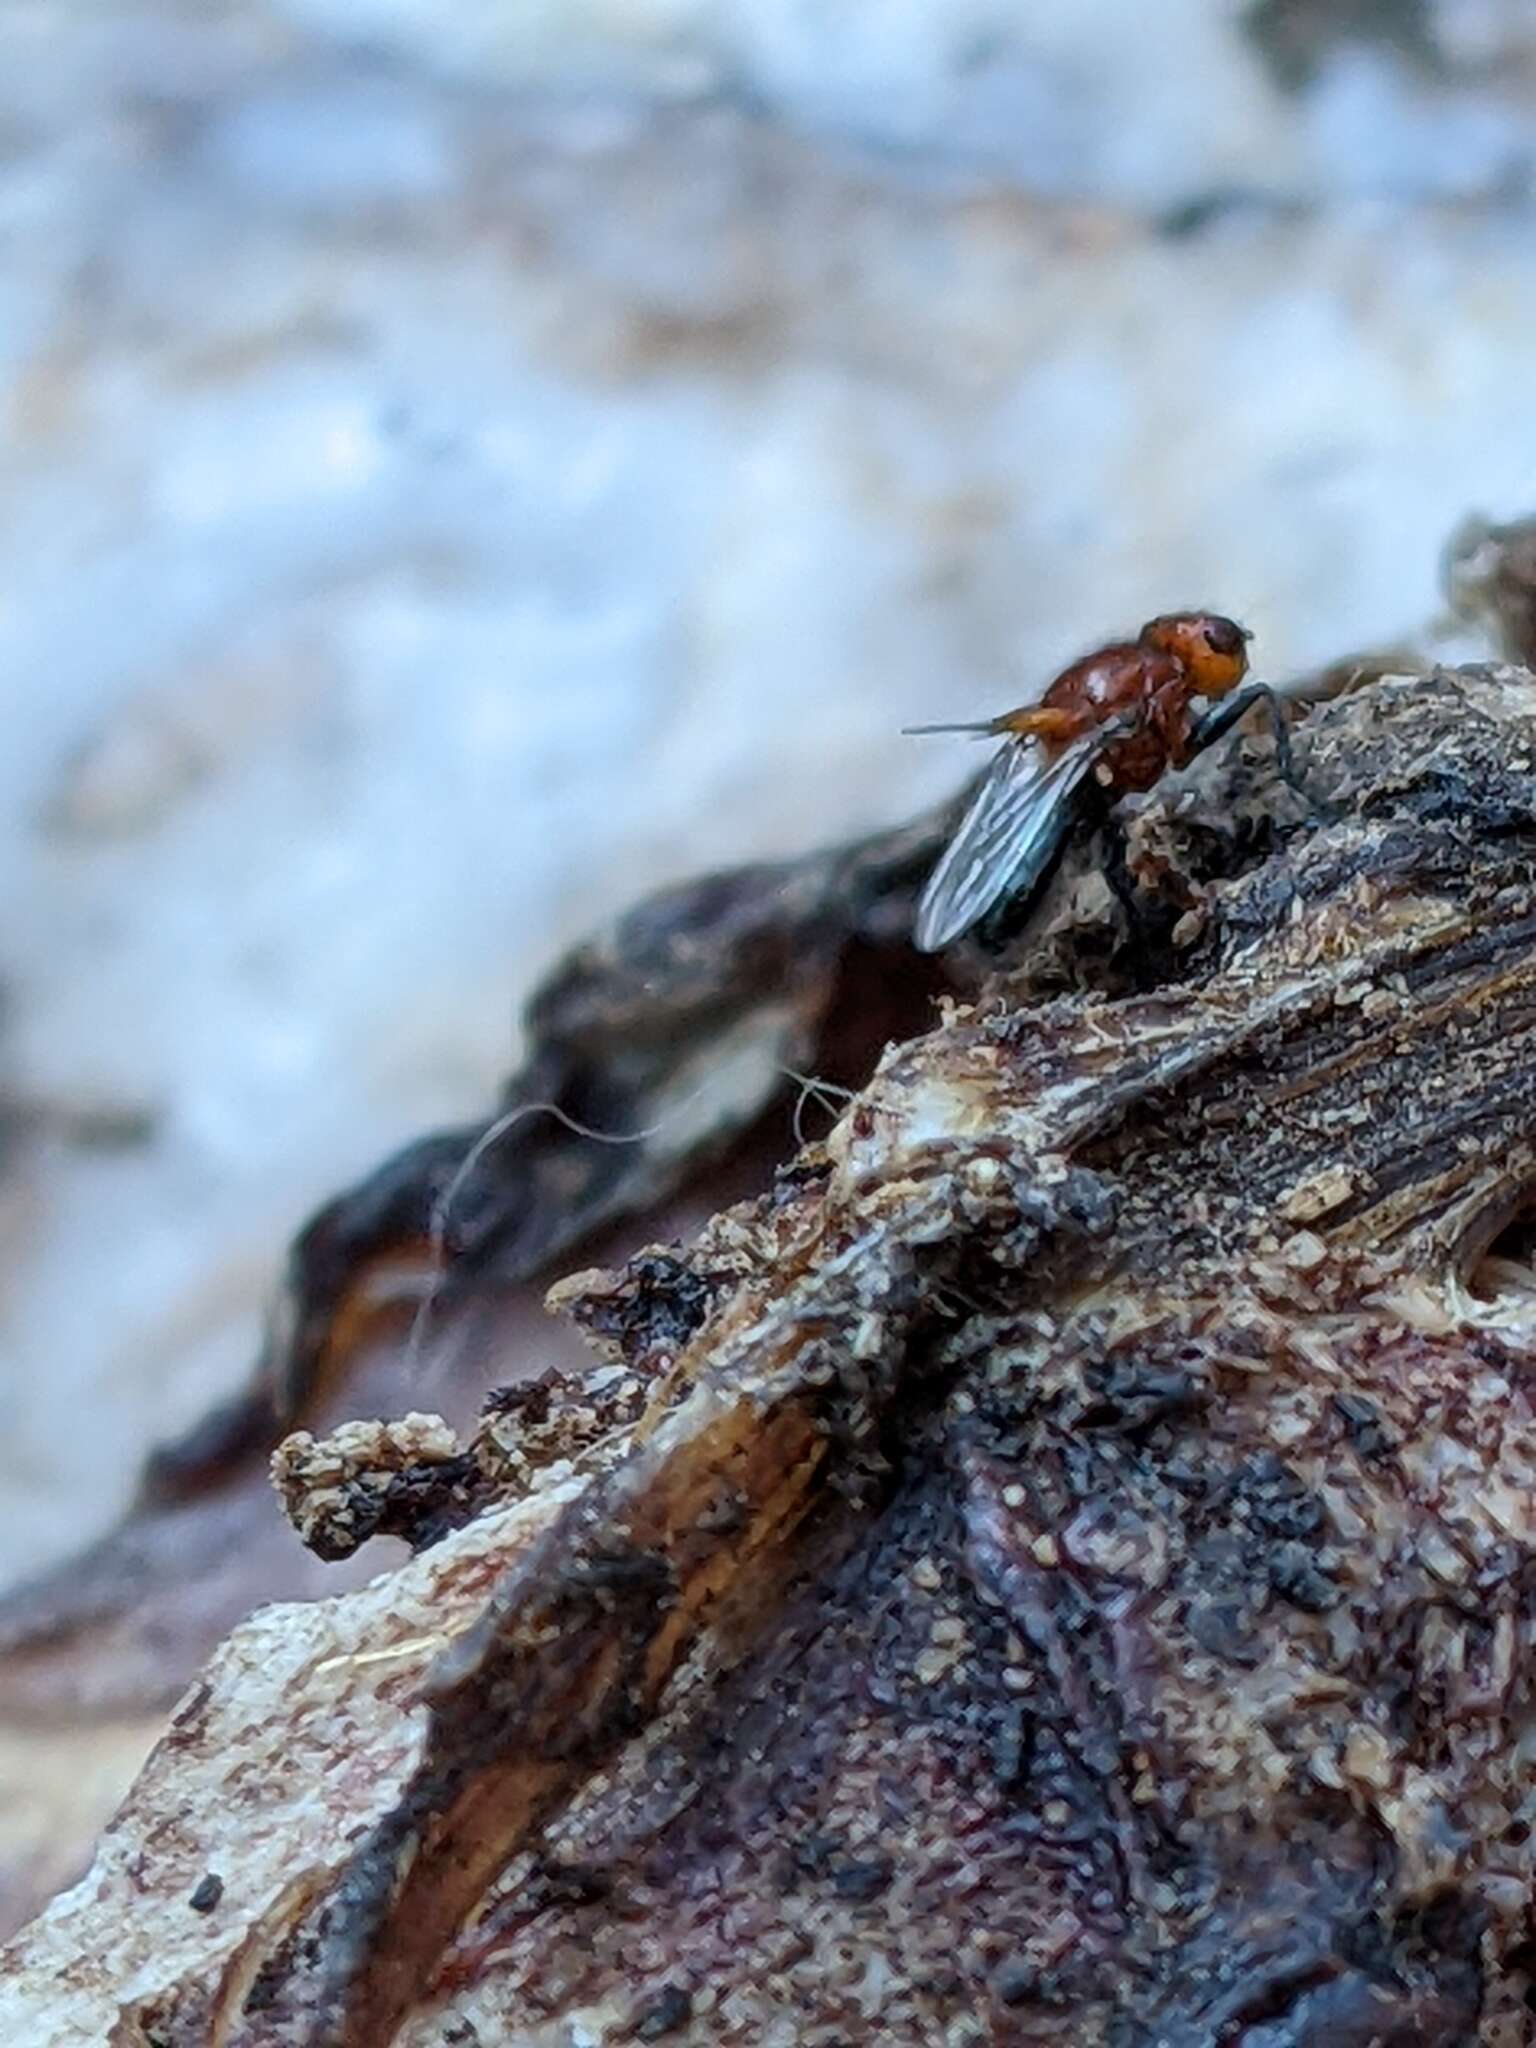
1072, 1581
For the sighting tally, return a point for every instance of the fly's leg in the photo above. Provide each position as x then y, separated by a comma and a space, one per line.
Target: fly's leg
1111, 842
1224, 715
1110, 846
1112, 866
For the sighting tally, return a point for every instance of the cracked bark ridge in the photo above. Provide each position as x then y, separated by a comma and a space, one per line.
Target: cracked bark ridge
1072, 1580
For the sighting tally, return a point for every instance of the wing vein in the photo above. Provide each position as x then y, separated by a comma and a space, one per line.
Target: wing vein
1005, 840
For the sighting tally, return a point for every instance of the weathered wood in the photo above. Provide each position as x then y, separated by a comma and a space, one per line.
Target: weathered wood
1074, 1578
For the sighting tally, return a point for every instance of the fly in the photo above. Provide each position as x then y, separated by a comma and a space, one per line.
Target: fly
1120, 716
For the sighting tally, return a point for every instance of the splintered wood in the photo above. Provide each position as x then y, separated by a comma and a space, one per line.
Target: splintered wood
1057, 1567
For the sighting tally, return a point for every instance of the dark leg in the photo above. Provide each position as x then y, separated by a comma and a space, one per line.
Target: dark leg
1145, 918
1224, 715
1114, 870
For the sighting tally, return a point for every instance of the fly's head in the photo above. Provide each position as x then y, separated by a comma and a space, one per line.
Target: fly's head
1212, 650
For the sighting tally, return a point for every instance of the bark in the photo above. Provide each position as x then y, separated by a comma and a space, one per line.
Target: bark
1056, 1567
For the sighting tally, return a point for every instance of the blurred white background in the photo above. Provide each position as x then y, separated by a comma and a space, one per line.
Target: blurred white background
460, 466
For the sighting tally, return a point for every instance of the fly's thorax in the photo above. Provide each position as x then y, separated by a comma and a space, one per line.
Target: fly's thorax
1128, 766
1114, 680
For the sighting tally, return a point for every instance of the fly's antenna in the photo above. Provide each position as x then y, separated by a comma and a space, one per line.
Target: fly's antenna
979, 730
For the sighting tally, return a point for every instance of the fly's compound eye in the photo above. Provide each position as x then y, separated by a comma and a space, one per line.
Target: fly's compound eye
1222, 638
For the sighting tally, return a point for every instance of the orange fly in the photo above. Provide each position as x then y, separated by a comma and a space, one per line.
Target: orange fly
1123, 715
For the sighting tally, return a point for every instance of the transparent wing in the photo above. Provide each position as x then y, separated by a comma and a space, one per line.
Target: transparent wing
1005, 839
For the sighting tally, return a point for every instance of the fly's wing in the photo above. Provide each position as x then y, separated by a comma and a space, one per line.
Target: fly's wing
1006, 839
